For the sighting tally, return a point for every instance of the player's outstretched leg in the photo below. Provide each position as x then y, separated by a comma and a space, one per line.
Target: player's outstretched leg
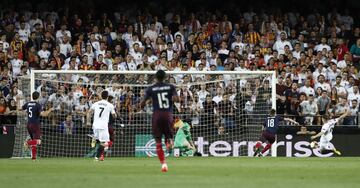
327, 151
257, 148
267, 147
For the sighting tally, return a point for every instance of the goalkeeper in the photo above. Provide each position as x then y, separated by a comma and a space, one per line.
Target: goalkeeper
183, 140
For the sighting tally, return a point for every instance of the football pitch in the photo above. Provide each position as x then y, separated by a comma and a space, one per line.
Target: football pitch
183, 172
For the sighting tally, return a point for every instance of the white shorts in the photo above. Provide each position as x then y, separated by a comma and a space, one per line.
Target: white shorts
102, 135
325, 143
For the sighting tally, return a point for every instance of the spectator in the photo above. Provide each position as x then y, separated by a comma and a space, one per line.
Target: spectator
341, 108
226, 112
282, 43
307, 89
309, 109
323, 102
322, 45
355, 52
3, 106
67, 127
354, 112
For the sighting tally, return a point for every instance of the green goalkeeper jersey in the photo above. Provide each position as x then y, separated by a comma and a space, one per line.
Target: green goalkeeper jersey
182, 135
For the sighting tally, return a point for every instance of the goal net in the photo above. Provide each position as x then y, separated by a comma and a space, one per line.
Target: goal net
226, 110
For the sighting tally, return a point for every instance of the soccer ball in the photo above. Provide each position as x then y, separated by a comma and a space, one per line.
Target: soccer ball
313, 144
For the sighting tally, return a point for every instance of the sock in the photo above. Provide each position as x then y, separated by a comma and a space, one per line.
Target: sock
258, 145
33, 151
99, 151
160, 153
267, 147
110, 143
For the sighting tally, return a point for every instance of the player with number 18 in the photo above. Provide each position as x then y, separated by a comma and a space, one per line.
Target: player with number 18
271, 126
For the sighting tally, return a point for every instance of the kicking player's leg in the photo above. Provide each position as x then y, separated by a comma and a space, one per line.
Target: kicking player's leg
258, 144
270, 139
325, 148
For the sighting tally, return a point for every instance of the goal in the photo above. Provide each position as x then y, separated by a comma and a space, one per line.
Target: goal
226, 109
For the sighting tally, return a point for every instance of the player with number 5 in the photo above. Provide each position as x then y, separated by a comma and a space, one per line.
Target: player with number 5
271, 126
34, 111
162, 95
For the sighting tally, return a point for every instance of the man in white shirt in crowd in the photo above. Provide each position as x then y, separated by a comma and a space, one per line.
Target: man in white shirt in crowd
307, 89
44, 53
322, 84
136, 54
16, 64
341, 91
355, 95
62, 32
345, 62
309, 109
151, 33
280, 44
332, 72
65, 46
297, 50
23, 32
218, 97
128, 64
320, 70
322, 45
238, 43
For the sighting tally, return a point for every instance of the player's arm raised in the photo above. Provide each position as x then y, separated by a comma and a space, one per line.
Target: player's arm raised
292, 121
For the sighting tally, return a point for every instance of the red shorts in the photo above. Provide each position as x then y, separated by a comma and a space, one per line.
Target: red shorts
162, 123
34, 130
267, 136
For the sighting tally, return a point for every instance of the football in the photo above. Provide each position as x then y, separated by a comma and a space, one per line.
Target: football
313, 144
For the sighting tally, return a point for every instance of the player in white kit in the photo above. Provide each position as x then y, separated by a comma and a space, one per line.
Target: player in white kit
101, 110
326, 135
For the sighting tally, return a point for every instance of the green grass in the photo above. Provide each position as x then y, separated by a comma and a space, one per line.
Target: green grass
183, 172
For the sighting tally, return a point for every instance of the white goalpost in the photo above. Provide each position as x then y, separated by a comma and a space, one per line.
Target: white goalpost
226, 109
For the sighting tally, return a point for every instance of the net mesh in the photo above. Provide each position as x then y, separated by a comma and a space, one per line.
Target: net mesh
226, 111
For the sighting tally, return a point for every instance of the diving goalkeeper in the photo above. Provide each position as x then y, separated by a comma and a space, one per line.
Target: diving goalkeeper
183, 140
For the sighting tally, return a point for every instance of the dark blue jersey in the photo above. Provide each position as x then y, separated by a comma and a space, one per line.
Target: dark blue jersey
271, 124
33, 110
161, 95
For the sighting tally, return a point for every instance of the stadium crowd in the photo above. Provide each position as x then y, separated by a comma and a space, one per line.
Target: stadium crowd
316, 58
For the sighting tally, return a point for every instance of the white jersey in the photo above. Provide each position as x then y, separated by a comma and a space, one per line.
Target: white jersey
102, 110
327, 129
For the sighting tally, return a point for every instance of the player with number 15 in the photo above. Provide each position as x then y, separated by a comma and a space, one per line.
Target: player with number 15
162, 95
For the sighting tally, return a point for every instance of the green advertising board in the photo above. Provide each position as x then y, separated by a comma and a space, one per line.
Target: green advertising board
145, 146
